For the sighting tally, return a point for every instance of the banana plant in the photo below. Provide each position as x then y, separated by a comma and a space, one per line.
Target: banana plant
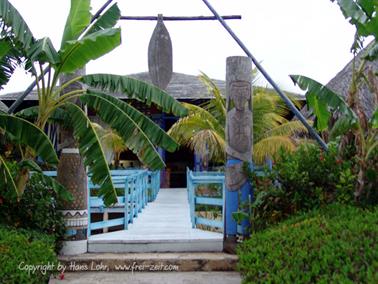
203, 130
363, 15
351, 124
22, 132
85, 39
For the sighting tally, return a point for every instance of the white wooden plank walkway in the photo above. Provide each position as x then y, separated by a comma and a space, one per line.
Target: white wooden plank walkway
163, 226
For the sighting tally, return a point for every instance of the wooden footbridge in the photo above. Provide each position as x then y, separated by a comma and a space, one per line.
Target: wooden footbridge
165, 224
149, 219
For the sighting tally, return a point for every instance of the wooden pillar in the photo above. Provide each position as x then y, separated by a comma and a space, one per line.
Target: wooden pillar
238, 142
72, 174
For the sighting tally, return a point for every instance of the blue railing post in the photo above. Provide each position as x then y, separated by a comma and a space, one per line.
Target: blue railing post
193, 180
126, 196
192, 205
89, 230
134, 184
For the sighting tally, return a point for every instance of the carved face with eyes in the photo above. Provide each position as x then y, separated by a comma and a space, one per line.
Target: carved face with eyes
240, 94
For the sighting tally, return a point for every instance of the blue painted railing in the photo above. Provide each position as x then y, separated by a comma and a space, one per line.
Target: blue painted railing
194, 179
135, 188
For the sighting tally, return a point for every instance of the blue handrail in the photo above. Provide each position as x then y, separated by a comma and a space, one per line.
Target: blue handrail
193, 180
135, 188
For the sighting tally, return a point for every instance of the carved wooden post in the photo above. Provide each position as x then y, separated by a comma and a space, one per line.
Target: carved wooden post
72, 174
238, 142
160, 69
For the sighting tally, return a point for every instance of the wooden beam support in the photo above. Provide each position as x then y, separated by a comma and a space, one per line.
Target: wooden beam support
179, 18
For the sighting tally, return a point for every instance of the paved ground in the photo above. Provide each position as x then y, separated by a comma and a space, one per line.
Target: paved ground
150, 278
163, 226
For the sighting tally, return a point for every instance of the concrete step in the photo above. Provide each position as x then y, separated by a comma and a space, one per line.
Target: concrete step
161, 243
149, 262
150, 278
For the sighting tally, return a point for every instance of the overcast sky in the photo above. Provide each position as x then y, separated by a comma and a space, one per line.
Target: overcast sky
308, 37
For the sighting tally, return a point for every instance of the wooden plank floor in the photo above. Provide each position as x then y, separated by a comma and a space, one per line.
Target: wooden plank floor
163, 226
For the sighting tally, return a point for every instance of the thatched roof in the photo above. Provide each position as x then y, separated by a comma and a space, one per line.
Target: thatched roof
3, 107
341, 82
182, 86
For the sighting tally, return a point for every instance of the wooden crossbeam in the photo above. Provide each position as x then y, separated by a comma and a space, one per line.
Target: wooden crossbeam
180, 18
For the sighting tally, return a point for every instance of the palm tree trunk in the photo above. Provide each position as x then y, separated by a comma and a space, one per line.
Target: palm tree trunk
72, 174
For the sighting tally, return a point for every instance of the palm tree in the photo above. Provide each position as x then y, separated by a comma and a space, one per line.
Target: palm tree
84, 40
203, 130
111, 142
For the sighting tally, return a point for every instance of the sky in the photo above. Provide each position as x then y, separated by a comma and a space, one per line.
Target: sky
306, 37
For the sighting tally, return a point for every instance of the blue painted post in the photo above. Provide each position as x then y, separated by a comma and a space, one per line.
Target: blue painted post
197, 162
192, 205
89, 231
238, 143
126, 195
161, 151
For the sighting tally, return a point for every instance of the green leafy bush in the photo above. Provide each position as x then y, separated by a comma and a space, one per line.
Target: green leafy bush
337, 244
36, 210
21, 251
303, 180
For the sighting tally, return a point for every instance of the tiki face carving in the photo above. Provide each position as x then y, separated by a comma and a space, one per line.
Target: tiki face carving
239, 118
240, 94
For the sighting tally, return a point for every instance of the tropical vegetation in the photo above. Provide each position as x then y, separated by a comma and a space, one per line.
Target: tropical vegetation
27, 256
355, 132
112, 144
84, 38
335, 244
306, 179
36, 209
203, 130
314, 216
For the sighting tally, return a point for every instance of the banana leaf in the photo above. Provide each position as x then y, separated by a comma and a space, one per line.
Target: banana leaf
323, 101
135, 89
92, 153
6, 179
11, 18
76, 54
43, 51
135, 138
23, 132
157, 135
106, 20
78, 19
9, 60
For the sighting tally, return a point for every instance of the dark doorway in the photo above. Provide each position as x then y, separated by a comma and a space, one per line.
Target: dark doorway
177, 163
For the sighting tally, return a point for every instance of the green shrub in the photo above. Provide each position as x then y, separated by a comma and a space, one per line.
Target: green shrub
21, 249
337, 244
36, 210
304, 180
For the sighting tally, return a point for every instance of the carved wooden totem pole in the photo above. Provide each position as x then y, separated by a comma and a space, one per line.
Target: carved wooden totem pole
72, 174
160, 69
238, 142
